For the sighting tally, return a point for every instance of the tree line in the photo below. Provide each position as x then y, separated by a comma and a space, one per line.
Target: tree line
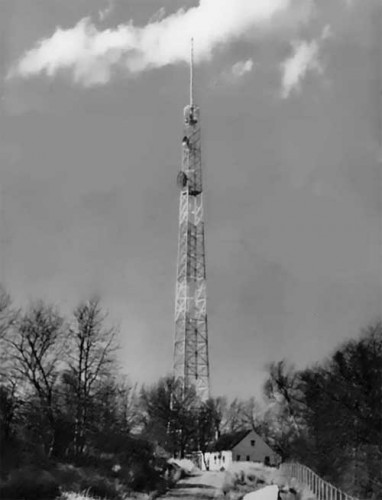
63, 398
329, 416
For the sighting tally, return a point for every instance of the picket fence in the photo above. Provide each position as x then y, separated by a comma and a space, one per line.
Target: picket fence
322, 490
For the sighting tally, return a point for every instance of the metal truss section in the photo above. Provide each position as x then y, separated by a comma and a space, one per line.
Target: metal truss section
191, 363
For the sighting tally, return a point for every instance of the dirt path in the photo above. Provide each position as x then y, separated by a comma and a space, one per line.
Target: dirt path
204, 486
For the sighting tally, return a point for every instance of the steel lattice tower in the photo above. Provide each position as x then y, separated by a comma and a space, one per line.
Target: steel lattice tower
191, 364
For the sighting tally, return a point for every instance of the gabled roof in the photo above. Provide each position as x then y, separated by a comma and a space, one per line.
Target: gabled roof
228, 441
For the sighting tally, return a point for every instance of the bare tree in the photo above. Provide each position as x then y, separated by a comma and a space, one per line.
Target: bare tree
35, 351
7, 316
170, 415
284, 385
234, 415
5, 312
92, 348
127, 405
253, 414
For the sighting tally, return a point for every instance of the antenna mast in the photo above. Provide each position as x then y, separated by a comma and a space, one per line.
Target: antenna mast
192, 74
191, 361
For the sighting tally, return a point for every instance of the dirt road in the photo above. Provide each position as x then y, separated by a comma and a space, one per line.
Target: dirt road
204, 486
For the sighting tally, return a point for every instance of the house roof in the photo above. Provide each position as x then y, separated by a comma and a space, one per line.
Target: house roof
229, 441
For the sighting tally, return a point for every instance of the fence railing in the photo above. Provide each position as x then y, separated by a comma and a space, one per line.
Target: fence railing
304, 476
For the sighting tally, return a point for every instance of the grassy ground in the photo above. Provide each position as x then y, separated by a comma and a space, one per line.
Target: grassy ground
70, 482
85, 496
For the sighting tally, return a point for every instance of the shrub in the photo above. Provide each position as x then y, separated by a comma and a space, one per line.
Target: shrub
92, 480
143, 477
101, 487
30, 483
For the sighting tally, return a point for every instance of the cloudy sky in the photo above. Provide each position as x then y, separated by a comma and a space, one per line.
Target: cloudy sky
92, 95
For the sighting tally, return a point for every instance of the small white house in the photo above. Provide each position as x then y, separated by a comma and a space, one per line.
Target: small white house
241, 446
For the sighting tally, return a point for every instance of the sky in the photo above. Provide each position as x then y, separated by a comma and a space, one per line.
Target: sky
92, 95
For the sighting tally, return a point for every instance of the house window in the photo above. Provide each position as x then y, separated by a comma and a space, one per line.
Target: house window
252, 442
267, 461
248, 458
238, 458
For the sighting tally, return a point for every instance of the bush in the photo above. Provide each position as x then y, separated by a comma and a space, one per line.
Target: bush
101, 487
30, 483
96, 483
143, 477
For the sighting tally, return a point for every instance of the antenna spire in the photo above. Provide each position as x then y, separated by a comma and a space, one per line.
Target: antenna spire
192, 73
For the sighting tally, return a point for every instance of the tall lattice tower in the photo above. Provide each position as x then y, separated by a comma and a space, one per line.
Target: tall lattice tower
191, 364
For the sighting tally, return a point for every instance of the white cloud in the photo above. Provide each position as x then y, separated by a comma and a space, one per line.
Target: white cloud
158, 16
240, 68
305, 59
295, 69
326, 33
234, 73
91, 56
103, 14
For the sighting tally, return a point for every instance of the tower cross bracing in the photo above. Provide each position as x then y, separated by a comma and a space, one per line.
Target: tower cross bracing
191, 363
